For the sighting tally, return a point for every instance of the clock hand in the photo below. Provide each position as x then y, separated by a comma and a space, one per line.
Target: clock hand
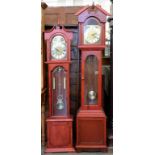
58, 49
95, 35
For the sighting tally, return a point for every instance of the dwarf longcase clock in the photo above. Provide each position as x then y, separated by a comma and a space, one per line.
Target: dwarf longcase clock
91, 119
59, 121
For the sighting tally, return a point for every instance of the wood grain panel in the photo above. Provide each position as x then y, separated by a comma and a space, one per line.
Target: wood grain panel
59, 133
71, 17
91, 131
51, 18
66, 15
59, 138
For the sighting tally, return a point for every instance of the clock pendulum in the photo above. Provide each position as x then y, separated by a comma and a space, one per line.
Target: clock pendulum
91, 118
59, 121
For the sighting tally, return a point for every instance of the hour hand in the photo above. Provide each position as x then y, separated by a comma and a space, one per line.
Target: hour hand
57, 49
95, 35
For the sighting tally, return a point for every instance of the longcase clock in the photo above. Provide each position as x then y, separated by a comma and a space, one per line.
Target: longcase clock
59, 121
91, 119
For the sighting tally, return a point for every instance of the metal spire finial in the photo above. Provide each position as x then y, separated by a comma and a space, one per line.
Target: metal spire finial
93, 5
58, 23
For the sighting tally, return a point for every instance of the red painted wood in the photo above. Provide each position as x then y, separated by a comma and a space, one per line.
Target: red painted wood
49, 35
80, 12
59, 133
91, 119
100, 45
59, 124
91, 128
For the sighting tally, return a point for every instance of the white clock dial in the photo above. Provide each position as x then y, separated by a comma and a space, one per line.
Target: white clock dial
58, 48
92, 34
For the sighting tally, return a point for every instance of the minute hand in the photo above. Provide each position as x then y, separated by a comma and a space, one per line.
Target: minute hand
95, 35
58, 49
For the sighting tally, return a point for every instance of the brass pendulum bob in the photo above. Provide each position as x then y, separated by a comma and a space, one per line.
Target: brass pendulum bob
60, 104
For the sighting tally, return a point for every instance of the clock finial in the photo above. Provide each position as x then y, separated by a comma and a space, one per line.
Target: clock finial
58, 20
93, 5
58, 23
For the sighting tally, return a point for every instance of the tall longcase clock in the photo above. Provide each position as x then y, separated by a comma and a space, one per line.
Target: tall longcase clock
91, 119
59, 121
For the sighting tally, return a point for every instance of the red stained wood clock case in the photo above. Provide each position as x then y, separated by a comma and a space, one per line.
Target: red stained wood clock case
59, 121
91, 119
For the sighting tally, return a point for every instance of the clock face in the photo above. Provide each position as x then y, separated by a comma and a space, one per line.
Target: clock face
58, 48
92, 34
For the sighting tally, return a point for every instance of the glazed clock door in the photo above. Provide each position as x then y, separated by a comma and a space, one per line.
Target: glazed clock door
91, 80
59, 91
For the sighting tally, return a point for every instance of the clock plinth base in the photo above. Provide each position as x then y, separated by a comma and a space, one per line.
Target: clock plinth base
91, 130
98, 148
59, 135
56, 150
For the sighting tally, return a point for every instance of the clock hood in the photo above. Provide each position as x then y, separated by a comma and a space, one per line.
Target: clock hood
94, 10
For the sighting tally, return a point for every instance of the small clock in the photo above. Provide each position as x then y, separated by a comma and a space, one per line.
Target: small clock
58, 48
92, 34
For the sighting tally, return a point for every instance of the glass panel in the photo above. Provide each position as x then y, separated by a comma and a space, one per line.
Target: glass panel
107, 49
58, 48
91, 80
92, 32
59, 101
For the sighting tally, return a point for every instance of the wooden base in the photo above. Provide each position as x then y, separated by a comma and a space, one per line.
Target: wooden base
48, 150
91, 130
82, 148
59, 135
